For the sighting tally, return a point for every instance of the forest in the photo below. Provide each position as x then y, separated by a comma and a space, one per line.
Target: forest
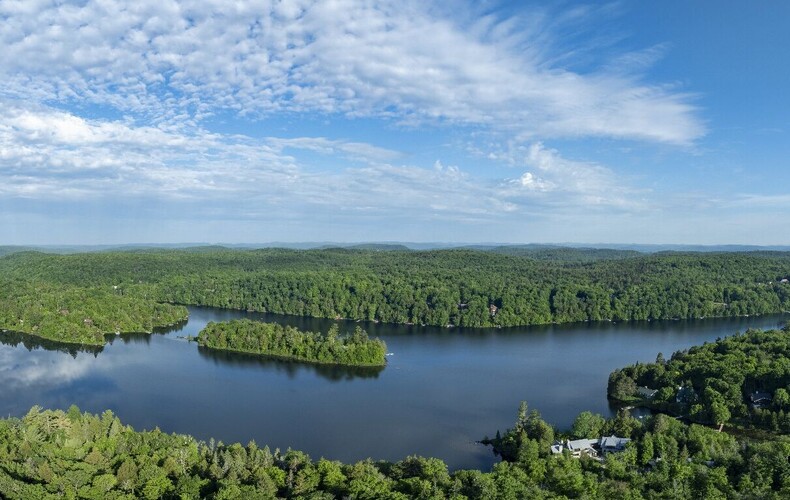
79, 315
742, 380
462, 287
273, 339
69, 454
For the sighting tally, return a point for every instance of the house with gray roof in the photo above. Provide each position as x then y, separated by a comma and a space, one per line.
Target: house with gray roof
610, 444
593, 448
646, 392
579, 447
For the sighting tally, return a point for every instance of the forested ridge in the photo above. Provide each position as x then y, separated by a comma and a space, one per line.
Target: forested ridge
718, 382
273, 339
441, 287
56, 454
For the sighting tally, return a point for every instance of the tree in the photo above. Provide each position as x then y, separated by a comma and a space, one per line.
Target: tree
719, 414
587, 425
781, 399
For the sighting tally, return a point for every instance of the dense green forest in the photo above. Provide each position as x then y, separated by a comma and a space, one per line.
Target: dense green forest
57, 454
79, 315
273, 339
460, 287
743, 379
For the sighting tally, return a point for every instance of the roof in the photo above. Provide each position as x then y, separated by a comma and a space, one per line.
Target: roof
646, 392
581, 444
614, 442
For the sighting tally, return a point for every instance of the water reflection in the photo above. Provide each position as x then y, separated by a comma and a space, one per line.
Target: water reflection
290, 368
174, 328
131, 338
42, 368
31, 342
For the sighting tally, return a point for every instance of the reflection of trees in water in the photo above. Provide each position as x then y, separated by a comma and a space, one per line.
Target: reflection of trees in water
130, 338
290, 367
145, 338
176, 327
31, 342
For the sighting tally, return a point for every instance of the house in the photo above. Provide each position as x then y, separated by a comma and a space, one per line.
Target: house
579, 447
492, 309
646, 392
612, 444
784, 280
593, 448
760, 399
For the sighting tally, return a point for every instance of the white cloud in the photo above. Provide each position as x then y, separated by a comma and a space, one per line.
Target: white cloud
46, 153
563, 183
49, 155
178, 62
39, 370
532, 182
358, 151
758, 201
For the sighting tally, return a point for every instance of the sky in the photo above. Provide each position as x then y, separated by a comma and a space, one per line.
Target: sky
161, 121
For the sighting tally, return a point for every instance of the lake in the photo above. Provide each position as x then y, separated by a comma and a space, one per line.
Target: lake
442, 389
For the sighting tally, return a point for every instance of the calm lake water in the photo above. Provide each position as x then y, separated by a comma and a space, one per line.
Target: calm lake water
441, 391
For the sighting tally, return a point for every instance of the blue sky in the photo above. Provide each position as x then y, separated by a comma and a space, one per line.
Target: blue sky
340, 120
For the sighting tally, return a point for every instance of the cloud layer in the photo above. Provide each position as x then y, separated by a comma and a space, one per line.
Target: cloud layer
110, 104
178, 62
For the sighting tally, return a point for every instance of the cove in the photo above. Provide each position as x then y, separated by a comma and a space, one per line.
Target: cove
441, 390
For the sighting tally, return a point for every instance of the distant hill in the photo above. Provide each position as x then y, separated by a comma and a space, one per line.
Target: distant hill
6, 250
646, 248
543, 251
565, 254
380, 247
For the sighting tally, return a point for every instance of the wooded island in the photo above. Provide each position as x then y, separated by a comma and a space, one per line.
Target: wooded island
273, 339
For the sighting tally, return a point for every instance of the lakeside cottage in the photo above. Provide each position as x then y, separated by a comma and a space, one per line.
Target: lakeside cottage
646, 392
581, 447
593, 448
613, 443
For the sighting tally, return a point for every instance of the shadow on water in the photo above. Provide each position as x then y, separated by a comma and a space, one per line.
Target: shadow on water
32, 342
381, 330
333, 373
143, 337
131, 338
174, 328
